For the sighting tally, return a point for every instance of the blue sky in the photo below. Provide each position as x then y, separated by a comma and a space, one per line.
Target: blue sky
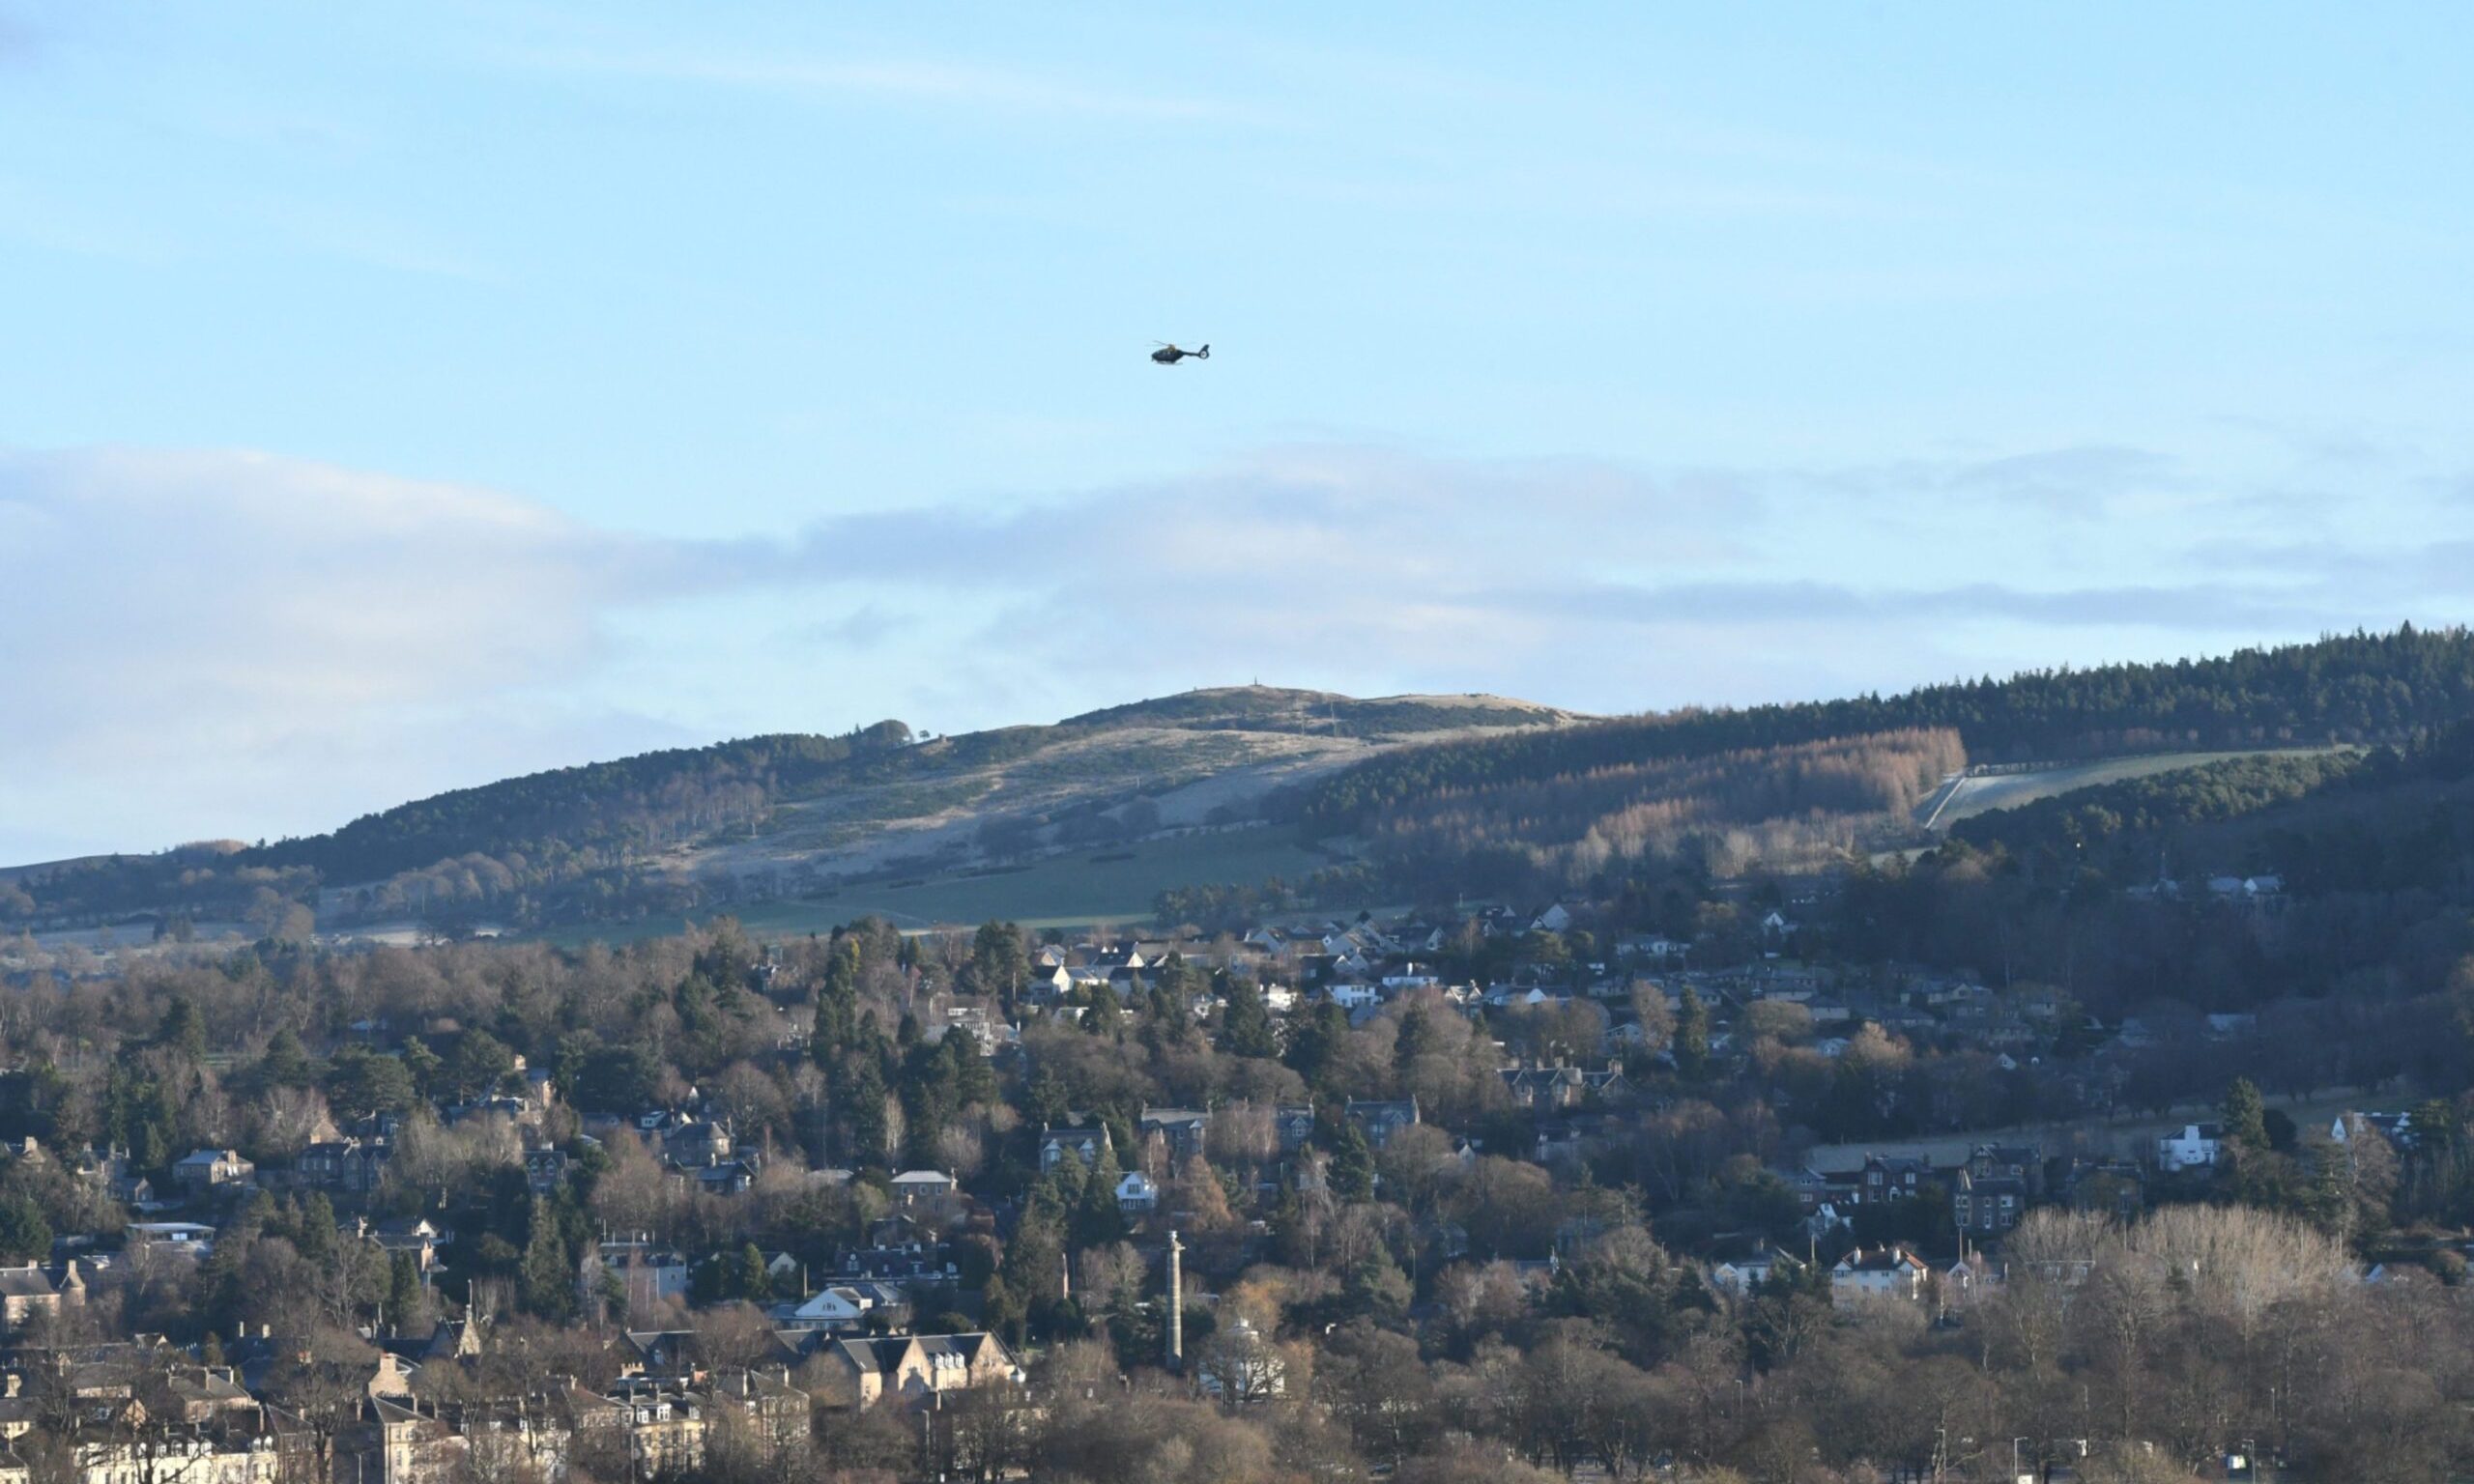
404, 396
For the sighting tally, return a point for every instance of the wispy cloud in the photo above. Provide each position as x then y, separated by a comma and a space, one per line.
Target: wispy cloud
2080, 479
941, 82
241, 643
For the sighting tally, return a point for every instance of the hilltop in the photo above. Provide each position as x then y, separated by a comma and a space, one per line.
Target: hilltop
1239, 799
790, 814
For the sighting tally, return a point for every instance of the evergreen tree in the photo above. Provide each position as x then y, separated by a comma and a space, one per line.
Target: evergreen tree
403, 1291
1352, 1172
1377, 1287
25, 1237
183, 1030
1315, 1038
1098, 1218
1414, 1039
1101, 1017
286, 1061
748, 1278
2245, 1116
545, 1283
1246, 1022
998, 963
313, 1229
1691, 1035
427, 1072
1001, 1311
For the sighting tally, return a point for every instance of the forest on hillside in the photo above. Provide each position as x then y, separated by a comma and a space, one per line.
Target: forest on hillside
575, 831
1787, 807
2122, 894
1531, 808
2357, 688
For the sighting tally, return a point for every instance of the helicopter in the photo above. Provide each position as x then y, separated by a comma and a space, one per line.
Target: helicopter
1168, 354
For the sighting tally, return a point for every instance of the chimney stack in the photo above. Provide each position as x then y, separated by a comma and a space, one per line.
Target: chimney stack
1176, 1303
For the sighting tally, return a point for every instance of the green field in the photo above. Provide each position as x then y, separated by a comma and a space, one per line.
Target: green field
1972, 795
1112, 884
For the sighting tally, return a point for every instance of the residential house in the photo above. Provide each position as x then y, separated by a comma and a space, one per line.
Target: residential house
1084, 1144
1987, 1205
910, 1370
1810, 1186
418, 1237
350, 1166
211, 1170
546, 1170
843, 1307
193, 1237
111, 1173
1740, 1276
2398, 1129
1137, 1194
1893, 1178
1543, 1088
1995, 1187
913, 1262
726, 1177
2116, 1188
1183, 1129
768, 1405
665, 1426
1879, 1272
1354, 994
1378, 1121
648, 1274
29, 1291
928, 1190
2197, 1147
1607, 1084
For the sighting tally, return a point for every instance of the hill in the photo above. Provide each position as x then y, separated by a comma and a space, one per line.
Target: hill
1795, 784
2358, 688
774, 816
1384, 798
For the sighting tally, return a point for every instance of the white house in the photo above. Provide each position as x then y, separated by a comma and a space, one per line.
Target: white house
1355, 996
834, 1308
1136, 1193
1740, 1276
1554, 918
840, 1308
1878, 1272
2196, 1147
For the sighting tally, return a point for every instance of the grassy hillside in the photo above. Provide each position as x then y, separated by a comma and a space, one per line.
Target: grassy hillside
785, 817
1974, 794
1115, 885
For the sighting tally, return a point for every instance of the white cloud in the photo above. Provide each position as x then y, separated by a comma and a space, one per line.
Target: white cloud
220, 642
180, 626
